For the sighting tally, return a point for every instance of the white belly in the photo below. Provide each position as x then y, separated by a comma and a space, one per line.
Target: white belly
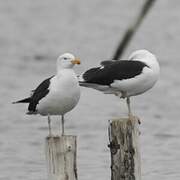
137, 85
63, 96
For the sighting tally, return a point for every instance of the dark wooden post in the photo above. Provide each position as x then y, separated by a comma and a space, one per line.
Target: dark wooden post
125, 150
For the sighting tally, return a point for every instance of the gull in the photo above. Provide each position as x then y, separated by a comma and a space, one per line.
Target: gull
124, 78
58, 94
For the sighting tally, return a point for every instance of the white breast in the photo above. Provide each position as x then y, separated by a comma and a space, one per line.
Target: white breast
64, 94
139, 84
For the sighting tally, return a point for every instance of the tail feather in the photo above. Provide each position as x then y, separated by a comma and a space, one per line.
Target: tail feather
84, 84
26, 100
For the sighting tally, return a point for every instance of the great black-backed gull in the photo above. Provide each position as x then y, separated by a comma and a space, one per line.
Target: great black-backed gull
58, 94
124, 78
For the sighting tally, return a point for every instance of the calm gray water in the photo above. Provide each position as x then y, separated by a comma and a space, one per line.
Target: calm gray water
34, 33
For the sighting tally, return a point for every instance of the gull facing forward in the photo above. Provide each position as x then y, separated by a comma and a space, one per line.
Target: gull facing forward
58, 94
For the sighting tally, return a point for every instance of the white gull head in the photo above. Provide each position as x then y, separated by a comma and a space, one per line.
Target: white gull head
146, 57
67, 61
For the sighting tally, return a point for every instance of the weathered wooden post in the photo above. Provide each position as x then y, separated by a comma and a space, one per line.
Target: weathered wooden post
125, 150
61, 157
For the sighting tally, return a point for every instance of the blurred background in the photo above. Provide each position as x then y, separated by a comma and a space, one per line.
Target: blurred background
34, 33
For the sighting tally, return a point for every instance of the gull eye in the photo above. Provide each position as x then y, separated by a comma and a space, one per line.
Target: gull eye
65, 58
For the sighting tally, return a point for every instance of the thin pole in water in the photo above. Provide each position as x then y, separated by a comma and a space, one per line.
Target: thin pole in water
132, 29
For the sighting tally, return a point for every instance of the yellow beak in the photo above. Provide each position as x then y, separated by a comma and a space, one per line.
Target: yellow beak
76, 61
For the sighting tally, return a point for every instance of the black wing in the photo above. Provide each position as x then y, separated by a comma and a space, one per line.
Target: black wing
108, 62
113, 70
40, 92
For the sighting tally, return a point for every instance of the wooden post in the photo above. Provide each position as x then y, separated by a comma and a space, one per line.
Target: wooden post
61, 157
124, 147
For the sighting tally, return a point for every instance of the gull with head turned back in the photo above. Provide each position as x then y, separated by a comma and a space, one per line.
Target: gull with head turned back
124, 78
